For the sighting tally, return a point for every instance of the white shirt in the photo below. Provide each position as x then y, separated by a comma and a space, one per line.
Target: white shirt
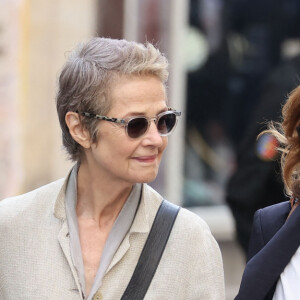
288, 285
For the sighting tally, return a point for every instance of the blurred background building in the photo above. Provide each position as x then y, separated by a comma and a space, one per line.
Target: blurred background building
228, 59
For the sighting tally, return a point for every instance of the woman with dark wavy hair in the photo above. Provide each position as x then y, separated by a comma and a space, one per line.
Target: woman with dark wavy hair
273, 267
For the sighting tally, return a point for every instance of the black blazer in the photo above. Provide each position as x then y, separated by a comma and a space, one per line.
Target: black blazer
274, 240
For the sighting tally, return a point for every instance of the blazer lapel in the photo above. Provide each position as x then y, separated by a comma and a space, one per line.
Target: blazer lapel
264, 269
138, 232
63, 234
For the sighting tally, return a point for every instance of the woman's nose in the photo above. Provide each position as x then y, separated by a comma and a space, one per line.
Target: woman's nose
153, 135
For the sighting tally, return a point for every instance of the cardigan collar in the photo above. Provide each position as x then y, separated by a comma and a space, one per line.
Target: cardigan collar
59, 204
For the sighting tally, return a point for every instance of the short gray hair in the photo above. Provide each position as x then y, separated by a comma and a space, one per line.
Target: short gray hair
87, 76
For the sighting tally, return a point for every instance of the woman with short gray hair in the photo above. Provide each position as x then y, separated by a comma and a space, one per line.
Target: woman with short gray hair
103, 232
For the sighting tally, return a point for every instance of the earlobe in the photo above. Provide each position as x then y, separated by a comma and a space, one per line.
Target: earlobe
77, 131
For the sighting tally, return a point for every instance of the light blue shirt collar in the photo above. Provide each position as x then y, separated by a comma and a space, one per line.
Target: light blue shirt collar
115, 238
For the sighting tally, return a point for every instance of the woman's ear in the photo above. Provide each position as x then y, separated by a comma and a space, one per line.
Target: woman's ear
77, 131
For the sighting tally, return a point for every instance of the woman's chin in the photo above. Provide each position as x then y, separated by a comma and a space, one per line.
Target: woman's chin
146, 178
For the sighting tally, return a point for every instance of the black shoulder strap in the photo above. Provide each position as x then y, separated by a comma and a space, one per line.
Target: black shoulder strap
152, 251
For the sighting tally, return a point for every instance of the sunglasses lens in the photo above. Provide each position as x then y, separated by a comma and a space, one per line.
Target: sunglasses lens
137, 127
166, 123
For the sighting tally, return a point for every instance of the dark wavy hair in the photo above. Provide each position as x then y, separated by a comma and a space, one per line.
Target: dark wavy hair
287, 134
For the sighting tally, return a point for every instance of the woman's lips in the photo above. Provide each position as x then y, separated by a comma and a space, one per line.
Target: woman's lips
146, 159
